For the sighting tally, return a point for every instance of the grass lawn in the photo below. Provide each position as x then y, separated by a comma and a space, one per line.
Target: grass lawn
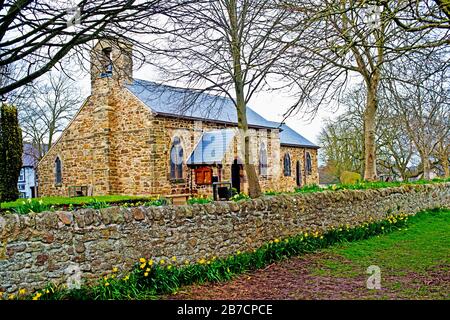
406, 258
75, 201
414, 264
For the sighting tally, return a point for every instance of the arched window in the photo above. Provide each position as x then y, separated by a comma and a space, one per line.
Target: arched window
58, 171
263, 160
287, 165
308, 165
176, 159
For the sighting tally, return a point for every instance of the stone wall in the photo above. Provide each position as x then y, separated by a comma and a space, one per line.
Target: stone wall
38, 248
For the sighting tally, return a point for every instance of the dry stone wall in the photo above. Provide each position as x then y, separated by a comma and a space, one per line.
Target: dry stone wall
38, 248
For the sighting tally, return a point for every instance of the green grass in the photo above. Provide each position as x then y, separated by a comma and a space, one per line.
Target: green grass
422, 246
74, 201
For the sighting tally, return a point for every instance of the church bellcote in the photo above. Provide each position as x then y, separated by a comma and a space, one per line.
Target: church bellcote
111, 63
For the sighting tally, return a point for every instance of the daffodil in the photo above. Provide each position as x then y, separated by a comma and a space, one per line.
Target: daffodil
238, 252
174, 258
126, 278
162, 261
106, 284
146, 274
11, 296
142, 260
37, 296
115, 269
201, 261
169, 267
147, 270
150, 262
186, 262
22, 292
276, 240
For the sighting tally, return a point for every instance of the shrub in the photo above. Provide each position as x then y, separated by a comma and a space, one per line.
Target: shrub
159, 201
308, 188
240, 196
199, 200
95, 204
348, 177
29, 206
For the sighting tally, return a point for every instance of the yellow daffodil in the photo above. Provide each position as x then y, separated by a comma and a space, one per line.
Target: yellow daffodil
276, 240
169, 267
162, 261
286, 240
106, 284
22, 292
186, 262
147, 270
37, 296
174, 258
150, 262
201, 261
238, 252
142, 266
47, 291
146, 274
11, 296
321, 237
115, 269
142, 260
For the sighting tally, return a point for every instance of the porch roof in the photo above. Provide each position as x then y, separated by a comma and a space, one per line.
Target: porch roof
211, 148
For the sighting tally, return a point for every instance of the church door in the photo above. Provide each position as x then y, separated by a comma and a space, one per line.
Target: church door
236, 175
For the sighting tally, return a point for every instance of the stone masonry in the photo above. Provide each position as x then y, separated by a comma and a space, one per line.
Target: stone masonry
39, 248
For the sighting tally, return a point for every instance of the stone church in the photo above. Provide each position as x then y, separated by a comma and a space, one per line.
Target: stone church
136, 137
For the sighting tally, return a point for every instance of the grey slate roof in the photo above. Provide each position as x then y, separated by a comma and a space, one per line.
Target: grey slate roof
290, 137
179, 102
211, 147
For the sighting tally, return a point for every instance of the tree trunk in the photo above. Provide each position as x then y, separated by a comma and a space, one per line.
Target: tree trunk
445, 165
370, 169
254, 189
426, 166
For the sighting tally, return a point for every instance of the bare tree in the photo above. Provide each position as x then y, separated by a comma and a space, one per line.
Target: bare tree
342, 39
227, 47
423, 101
442, 154
40, 33
422, 15
51, 105
342, 140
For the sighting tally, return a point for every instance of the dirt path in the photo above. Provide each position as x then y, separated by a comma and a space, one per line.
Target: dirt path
294, 279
